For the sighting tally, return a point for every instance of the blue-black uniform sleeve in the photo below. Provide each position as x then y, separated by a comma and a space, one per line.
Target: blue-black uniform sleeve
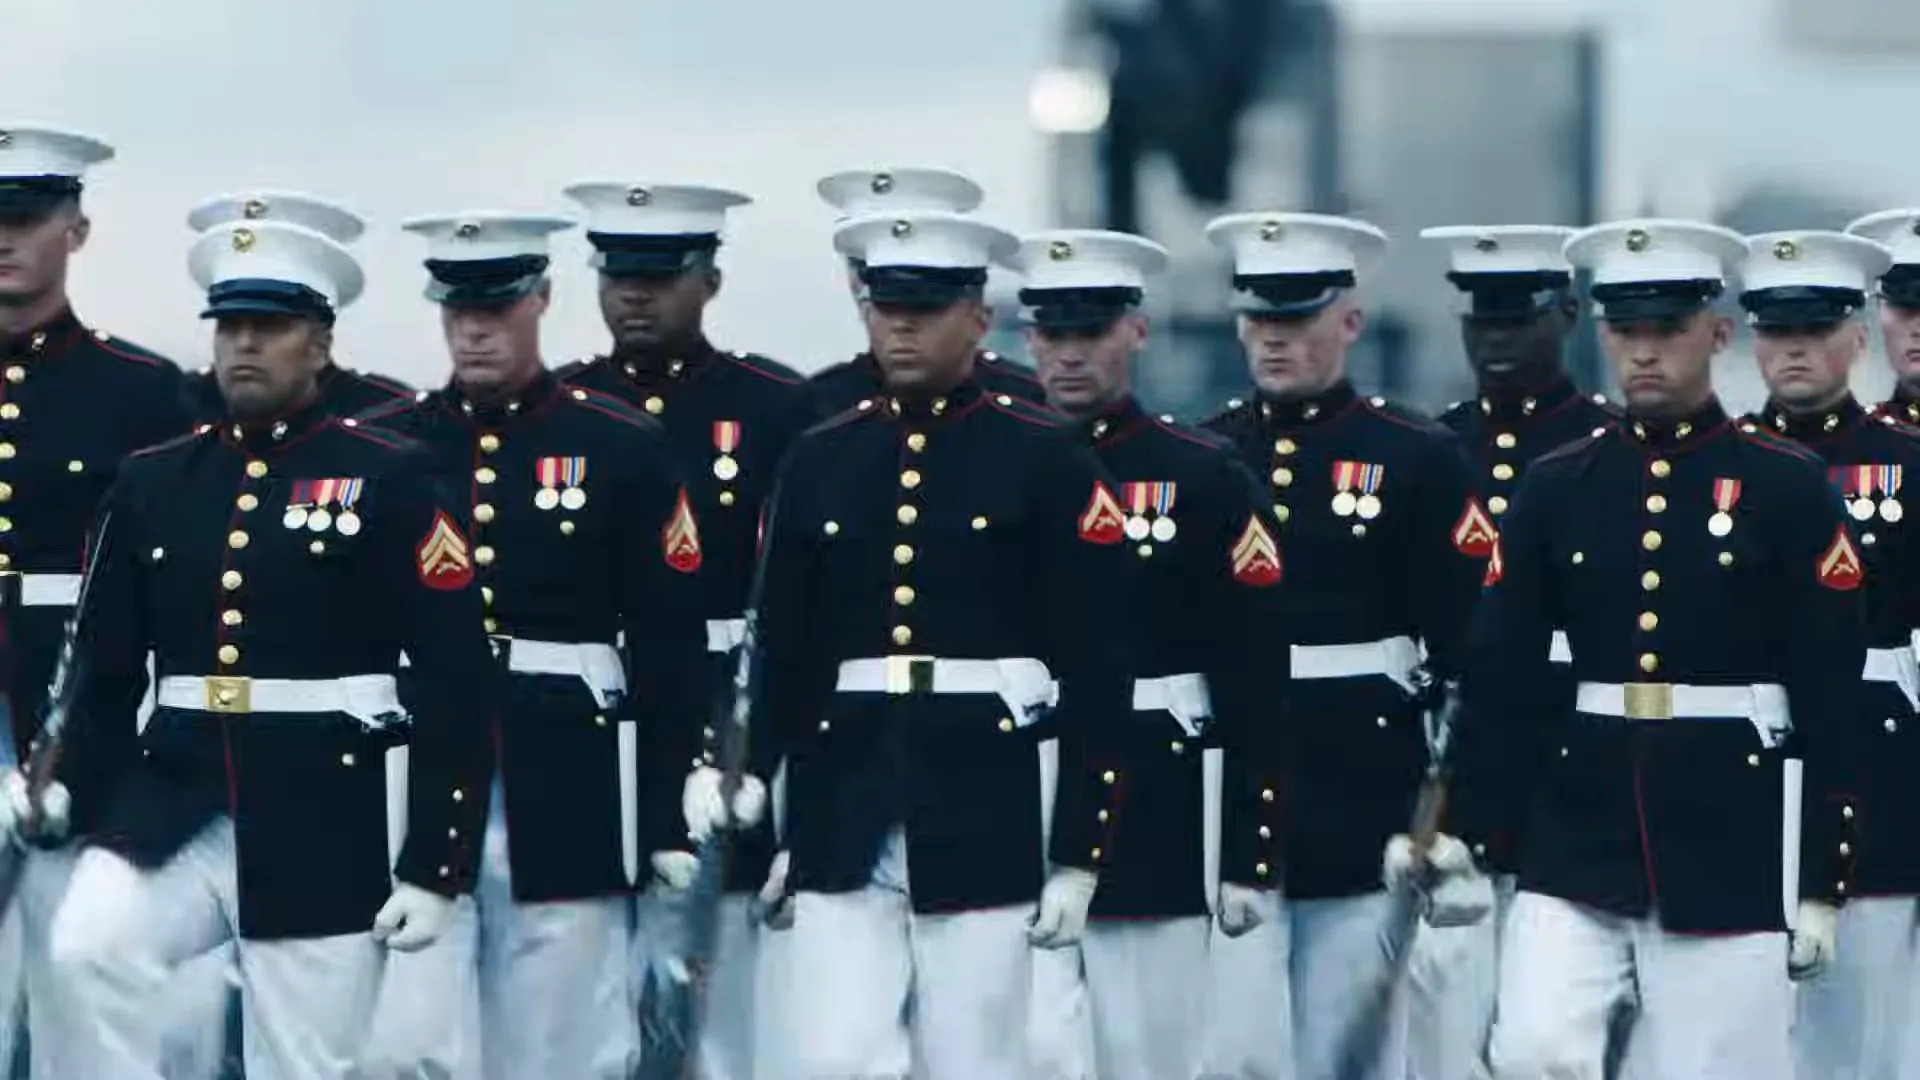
1448, 545
453, 678
791, 679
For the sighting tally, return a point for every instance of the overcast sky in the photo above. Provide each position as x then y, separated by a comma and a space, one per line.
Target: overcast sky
407, 108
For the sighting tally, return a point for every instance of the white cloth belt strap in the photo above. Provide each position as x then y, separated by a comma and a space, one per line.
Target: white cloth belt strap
1896, 666
1393, 657
368, 698
725, 635
1184, 696
49, 590
1764, 705
1560, 651
1023, 683
593, 662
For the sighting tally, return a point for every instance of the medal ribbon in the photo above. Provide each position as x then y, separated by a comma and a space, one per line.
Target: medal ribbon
576, 471
1370, 478
302, 493
1890, 479
1865, 480
1843, 478
324, 491
350, 492
1346, 474
1163, 498
1726, 492
1136, 494
549, 471
726, 435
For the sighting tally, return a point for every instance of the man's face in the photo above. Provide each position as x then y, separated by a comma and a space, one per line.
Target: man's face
1807, 367
34, 249
1299, 356
1665, 366
1085, 371
1516, 353
1900, 330
648, 313
495, 349
926, 349
266, 365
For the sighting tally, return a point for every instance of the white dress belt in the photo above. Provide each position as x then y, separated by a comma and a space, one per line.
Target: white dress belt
1184, 696
1896, 666
49, 590
1560, 650
369, 698
1023, 683
1762, 704
725, 635
1393, 657
593, 662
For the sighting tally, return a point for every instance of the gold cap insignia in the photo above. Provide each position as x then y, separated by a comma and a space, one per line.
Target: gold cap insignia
1059, 251
243, 239
882, 183
6, 137
1916, 221
467, 230
255, 208
1785, 249
902, 228
1270, 230
1638, 240
639, 196
1486, 243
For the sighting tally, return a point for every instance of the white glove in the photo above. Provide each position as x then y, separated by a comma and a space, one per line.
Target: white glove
776, 903
705, 809
675, 869
1456, 892
1239, 909
16, 807
412, 918
1815, 941
1062, 917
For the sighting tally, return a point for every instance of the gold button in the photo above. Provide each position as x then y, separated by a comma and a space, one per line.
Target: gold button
916, 442
726, 498
1503, 471
6, 491
486, 595
318, 547
1283, 477
229, 654
1177, 746
256, 469
6, 560
459, 796
231, 580
979, 523
9, 411
483, 512
6, 525
656, 405
490, 624
231, 617
1650, 580
903, 595
599, 719
1497, 504
347, 760
1104, 817
906, 515
489, 443
238, 539
1661, 468
1282, 511
247, 501
1266, 833
1726, 558
1651, 541
6, 451
1108, 777
485, 475
1846, 848
1579, 557
483, 555
1096, 854
445, 872
1648, 620
76, 465
1285, 446
1649, 663
1260, 868
903, 635
824, 726
831, 528
1506, 440
1656, 504
1846, 812
16, 373
903, 554
1006, 724
1266, 795
910, 479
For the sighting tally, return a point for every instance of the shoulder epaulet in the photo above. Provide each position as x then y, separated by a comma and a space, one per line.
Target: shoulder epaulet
1607, 405
388, 409
573, 368
1032, 412
385, 382
1008, 368
200, 431
766, 367
1895, 424
1233, 410
1405, 417
1212, 440
127, 350
609, 405
1582, 445
1779, 444
379, 436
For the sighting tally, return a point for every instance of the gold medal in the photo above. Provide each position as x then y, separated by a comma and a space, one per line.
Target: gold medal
573, 498
1720, 524
1344, 503
1861, 509
1368, 506
1137, 528
348, 523
546, 498
725, 467
319, 520
1164, 529
295, 517
1891, 510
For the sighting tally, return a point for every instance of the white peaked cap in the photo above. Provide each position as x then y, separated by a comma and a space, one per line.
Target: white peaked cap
323, 216
861, 192
276, 251
1284, 243
1897, 230
640, 209
35, 150
1815, 259
480, 235
1656, 250
925, 238
1503, 249
1088, 259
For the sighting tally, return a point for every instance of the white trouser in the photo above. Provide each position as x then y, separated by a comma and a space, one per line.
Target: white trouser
1852, 1016
1249, 1028
194, 1046
1060, 1038
1712, 1007
1452, 984
859, 956
1338, 963
427, 1022
738, 1002
121, 931
1146, 980
53, 1019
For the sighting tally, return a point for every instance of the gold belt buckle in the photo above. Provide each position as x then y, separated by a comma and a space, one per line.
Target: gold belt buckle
229, 694
1649, 701
909, 675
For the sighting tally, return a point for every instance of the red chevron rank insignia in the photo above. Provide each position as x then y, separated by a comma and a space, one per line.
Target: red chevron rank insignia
1496, 569
442, 555
680, 540
1102, 522
1474, 533
1839, 567
1256, 557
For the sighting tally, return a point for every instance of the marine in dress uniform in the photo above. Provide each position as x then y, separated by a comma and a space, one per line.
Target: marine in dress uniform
858, 192
343, 391
1207, 681
729, 418
267, 799
1805, 292
942, 562
1687, 813
1384, 546
1518, 311
74, 401
1899, 308
588, 558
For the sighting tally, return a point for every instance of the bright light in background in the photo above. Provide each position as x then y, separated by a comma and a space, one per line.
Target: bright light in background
1068, 101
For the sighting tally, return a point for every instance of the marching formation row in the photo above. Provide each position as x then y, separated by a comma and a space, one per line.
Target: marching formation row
1047, 737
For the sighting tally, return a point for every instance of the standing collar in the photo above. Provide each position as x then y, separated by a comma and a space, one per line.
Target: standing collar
651, 369
1668, 434
1904, 405
1516, 407
48, 339
266, 437
1295, 412
496, 413
937, 407
1806, 427
1115, 421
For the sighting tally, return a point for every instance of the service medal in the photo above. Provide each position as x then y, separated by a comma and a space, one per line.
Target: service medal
1164, 529
1891, 510
725, 467
573, 498
1138, 529
319, 520
1861, 509
1368, 506
348, 523
295, 517
546, 498
1720, 524
1345, 502
1726, 493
